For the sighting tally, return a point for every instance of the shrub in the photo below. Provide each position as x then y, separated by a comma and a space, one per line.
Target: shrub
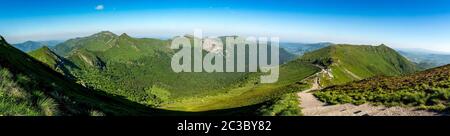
344, 99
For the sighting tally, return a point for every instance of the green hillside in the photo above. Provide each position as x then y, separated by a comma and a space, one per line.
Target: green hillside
429, 89
96, 43
29, 87
345, 63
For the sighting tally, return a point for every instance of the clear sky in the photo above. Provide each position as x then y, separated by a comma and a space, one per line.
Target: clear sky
397, 23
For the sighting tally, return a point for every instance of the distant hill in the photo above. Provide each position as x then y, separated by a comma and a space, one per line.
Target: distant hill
426, 59
301, 48
422, 51
428, 89
33, 45
97, 42
345, 63
30, 87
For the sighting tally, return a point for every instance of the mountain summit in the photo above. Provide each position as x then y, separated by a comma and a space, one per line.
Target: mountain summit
124, 35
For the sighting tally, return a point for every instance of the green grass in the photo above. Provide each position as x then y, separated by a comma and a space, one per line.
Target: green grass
13, 99
426, 90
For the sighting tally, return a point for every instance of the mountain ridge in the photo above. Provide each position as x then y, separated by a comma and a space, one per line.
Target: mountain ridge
344, 63
140, 70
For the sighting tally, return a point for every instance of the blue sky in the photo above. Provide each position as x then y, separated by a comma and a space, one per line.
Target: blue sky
398, 23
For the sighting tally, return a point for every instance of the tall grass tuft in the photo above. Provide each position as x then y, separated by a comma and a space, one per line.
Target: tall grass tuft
96, 113
48, 106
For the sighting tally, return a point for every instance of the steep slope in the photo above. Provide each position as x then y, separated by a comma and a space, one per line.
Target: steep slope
33, 45
426, 59
429, 89
29, 87
86, 59
345, 63
55, 62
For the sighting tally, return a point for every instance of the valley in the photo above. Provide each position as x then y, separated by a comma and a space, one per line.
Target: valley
139, 70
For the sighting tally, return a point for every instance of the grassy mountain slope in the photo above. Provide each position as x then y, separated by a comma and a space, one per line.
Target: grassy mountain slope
140, 70
301, 48
95, 42
54, 61
250, 91
347, 63
137, 68
29, 87
428, 89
